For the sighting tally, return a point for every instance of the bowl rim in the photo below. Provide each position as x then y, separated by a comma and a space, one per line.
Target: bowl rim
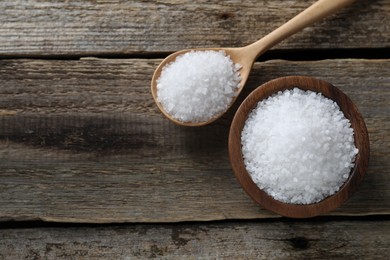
349, 110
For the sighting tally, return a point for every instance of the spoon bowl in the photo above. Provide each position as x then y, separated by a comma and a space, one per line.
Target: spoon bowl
245, 56
236, 54
361, 142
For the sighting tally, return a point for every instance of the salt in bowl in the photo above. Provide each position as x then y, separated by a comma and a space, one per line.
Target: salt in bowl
360, 135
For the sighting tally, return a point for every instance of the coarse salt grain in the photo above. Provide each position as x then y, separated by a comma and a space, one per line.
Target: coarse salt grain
198, 85
298, 146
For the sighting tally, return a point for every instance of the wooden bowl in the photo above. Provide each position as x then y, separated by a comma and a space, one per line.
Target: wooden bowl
361, 142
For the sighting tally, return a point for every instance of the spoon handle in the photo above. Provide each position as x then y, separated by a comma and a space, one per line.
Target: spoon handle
312, 14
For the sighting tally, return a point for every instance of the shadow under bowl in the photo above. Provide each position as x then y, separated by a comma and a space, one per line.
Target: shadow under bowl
350, 112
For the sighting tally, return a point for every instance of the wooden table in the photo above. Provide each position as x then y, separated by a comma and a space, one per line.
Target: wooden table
90, 168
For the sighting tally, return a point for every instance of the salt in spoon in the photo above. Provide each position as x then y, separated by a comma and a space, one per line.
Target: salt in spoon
246, 56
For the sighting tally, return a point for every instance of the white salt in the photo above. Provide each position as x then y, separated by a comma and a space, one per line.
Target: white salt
198, 85
298, 146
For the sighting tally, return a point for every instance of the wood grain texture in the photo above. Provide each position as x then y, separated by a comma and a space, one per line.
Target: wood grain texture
82, 141
275, 240
78, 27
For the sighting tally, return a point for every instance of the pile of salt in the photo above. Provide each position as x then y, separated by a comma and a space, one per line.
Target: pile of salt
298, 146
198, 85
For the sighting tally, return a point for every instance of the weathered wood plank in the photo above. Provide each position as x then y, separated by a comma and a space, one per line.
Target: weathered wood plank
82, 141
79, 27
275, 240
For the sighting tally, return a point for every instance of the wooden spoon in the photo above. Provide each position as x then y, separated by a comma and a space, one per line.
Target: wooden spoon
246, 56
